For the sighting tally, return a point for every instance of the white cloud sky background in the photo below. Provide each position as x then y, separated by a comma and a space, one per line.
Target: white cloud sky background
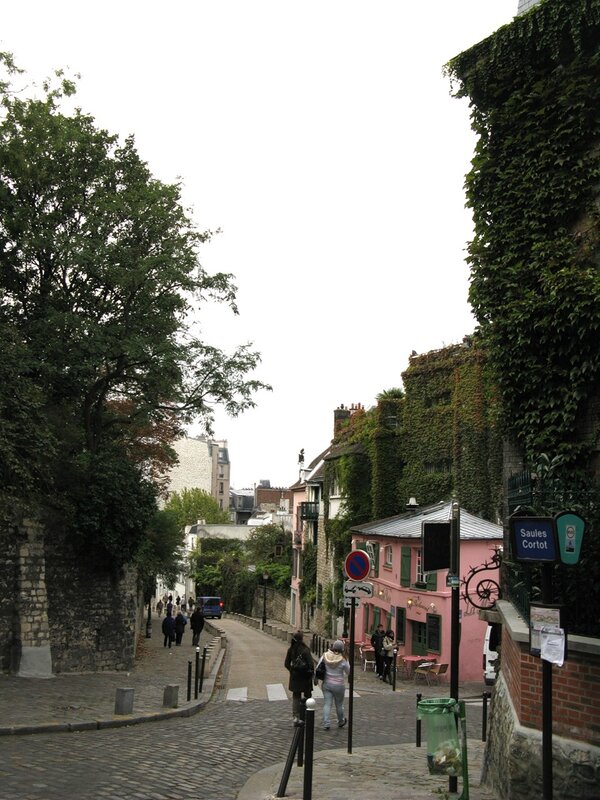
322, 139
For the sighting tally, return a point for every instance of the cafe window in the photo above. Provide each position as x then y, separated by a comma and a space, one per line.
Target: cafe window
387, 560
434, 633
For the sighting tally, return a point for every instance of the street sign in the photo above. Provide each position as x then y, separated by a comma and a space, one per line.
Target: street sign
358, 589
436, 545
357, 565
533, 539
348, 602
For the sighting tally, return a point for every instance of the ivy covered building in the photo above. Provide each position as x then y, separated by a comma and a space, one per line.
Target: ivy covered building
534, 92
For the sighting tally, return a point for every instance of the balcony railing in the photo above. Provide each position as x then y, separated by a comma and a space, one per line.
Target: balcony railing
309, 511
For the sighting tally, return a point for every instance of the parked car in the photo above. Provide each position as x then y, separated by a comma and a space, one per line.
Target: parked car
211, 606
490, 653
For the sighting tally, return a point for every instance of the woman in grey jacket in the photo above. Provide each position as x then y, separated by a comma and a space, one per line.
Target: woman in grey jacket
334, 685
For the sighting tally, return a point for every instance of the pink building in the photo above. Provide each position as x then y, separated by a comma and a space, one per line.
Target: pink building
416, 605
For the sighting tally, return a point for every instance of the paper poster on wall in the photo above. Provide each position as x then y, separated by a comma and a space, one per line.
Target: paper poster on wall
552, 644
544, 616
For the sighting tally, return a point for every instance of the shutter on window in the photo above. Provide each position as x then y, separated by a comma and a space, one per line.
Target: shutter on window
431, 581
405, 566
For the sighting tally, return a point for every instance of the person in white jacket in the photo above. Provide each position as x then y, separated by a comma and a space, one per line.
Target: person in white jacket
334, 685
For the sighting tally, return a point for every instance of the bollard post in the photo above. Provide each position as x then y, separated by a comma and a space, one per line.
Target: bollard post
309, 740
418, 742
394, 670
204, 652
196, 676
124, 701
484, 713
302, 718
189, 681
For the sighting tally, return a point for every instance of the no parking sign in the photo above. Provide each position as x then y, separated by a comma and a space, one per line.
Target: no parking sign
357, 565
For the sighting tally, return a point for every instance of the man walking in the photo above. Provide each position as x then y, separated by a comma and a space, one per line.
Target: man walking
377, 642
197, 623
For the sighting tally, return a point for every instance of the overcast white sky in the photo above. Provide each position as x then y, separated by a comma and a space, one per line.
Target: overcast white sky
321, 138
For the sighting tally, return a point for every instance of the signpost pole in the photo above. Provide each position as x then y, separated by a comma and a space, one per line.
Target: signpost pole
454, 613
547, 696
351, 676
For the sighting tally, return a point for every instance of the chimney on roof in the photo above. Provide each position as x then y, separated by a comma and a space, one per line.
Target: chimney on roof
340, 416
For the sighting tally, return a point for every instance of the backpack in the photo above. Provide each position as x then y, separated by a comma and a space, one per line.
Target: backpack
299, 664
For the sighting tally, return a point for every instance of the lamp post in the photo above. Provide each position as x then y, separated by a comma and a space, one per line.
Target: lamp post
149, 620
265, 579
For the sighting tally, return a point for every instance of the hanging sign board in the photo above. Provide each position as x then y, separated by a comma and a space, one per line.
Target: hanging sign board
570, 529
533, 539
436, 545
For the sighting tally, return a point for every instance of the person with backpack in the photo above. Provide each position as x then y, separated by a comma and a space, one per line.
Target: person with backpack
334, 683
299, 663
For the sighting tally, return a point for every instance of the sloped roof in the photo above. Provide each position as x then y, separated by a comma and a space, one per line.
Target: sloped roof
408, 524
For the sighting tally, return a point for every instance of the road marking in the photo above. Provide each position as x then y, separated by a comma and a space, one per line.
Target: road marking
238, 694
276, 691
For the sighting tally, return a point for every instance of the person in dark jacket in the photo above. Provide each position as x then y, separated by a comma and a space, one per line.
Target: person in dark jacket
180, 623
377, 642
299, 662
196, 624
168, 629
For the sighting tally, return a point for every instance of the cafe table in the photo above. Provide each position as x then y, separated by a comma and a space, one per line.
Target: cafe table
413, 661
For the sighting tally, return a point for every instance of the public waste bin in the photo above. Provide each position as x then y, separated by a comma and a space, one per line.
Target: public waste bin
444, 756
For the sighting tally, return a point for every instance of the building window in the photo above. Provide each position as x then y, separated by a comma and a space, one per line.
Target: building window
420, 574
434, 633
221, 487
388, 555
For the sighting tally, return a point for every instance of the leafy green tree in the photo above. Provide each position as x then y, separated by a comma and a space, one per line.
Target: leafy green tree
161, 552
99, 277
268, 544
190, 505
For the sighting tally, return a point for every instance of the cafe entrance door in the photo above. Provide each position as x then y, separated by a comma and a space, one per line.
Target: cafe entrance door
419, 639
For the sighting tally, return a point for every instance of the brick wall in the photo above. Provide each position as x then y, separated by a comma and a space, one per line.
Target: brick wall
575, 689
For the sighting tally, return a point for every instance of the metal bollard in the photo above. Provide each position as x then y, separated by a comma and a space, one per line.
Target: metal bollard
302, 719
394, 670
204, 652
197, 676
418, 742
484, 715
189, 681
309, 740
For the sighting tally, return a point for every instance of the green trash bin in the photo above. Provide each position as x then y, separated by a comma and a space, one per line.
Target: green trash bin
444, 755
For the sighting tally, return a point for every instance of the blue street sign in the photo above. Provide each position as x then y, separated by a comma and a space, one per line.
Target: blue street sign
533, 539
358, 565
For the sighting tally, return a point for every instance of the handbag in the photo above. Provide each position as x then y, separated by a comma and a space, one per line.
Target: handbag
320, 672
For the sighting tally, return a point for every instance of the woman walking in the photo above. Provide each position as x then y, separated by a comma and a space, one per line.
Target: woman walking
298, 661
334, 685
388, 655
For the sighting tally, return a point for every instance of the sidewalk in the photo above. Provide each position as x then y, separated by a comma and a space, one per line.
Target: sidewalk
72, 702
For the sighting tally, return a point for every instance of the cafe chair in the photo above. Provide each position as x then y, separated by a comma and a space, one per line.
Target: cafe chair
422, 671
368, 659
435, 671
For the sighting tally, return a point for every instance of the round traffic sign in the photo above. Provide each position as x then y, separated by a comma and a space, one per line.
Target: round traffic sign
357, 565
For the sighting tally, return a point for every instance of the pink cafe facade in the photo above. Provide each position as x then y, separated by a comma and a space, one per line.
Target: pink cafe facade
416, 605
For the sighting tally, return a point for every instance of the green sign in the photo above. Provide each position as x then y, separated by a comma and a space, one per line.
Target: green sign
569, 530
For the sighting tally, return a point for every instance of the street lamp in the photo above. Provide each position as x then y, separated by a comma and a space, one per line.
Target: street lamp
265, 579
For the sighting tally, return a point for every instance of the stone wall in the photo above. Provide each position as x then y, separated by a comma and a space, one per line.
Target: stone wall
513, 760
59, 614
94, 616
9, 589
513, 757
